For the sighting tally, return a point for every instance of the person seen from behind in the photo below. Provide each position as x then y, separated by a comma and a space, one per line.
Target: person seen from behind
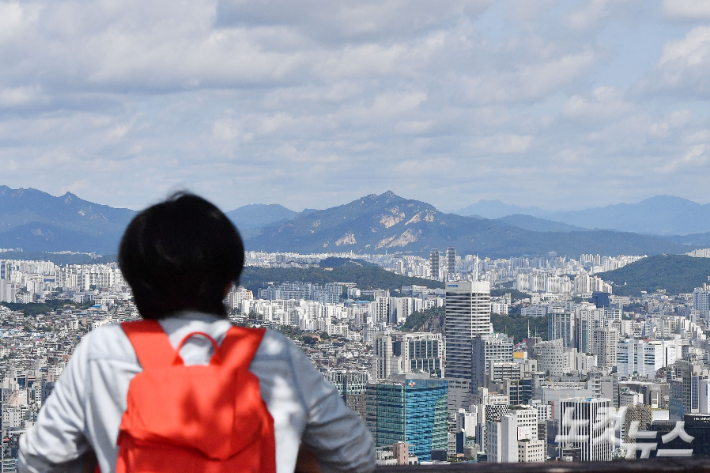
183, 389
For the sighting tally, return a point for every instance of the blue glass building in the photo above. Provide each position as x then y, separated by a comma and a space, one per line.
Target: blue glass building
413, 411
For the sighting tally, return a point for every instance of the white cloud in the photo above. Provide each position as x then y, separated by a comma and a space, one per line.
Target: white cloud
694, 158
529, 82
335, 22
15, 96
251, 101
504, 144
691, 51
604, 103
587, 16
684, 65
687, 9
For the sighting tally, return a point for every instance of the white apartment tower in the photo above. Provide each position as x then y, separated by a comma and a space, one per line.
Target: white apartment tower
604, 343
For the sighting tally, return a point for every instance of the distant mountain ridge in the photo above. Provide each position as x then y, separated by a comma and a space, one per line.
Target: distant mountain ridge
535, 224
258, 215
495, 209
389, 223
659, 215
22, 206
36, 221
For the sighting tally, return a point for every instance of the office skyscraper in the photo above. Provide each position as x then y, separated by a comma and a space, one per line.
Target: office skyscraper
468, 314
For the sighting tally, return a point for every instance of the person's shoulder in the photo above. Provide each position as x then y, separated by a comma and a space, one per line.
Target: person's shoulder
108, 342
274, 345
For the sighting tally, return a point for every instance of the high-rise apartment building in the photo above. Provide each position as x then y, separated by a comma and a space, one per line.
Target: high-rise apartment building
604, 343
468, 314
587, 318
413, 411
5, 270
560, 324
434, 264
701, 301
386, 363
451, 262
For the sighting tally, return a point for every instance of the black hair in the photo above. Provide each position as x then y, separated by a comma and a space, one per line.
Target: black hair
180, 254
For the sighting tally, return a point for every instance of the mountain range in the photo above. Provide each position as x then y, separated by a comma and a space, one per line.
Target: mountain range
660, 215
36, 221
387, 222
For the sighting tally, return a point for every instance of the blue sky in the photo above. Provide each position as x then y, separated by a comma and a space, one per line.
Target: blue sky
560, 104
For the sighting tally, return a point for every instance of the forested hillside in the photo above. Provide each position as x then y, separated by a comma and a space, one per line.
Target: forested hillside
674, 273
365, 275
432, 320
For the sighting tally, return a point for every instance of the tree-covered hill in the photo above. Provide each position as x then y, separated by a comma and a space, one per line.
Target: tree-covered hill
364, 275
429, 320
34, 308
432, 320
517, 326
674, 273
515, 295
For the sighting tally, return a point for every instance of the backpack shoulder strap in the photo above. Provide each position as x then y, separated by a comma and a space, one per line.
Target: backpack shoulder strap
240, 345
150, 342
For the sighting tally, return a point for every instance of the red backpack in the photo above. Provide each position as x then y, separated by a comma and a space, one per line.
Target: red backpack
195, 418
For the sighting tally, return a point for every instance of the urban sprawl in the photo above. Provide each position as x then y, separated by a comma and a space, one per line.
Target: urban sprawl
611, 377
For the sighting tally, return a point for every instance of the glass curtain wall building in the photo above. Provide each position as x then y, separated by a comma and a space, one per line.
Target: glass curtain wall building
413, 411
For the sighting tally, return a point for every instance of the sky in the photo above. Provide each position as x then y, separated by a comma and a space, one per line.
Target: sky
312, 104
